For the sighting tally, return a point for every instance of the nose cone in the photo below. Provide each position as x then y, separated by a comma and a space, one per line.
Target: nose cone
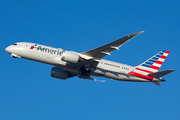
7, 49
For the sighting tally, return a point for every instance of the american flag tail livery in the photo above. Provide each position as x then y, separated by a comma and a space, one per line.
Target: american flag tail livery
149, 69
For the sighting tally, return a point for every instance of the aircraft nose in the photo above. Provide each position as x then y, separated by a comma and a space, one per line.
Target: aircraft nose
7, 49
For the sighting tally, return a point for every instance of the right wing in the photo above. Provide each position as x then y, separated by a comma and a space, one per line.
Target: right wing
100, 52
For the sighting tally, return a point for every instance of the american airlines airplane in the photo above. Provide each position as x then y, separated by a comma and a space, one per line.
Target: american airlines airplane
90, 63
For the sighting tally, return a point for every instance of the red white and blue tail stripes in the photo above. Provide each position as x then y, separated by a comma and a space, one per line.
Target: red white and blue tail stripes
150, 66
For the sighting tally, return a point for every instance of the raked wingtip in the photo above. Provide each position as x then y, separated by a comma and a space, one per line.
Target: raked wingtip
141, 32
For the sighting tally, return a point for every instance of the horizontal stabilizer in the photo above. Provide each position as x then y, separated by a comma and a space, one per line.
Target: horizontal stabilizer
160, 74
156, 83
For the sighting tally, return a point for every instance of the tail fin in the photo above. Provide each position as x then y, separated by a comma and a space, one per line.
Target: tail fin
153, 64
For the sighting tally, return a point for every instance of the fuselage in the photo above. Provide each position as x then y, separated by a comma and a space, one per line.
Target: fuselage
53, 56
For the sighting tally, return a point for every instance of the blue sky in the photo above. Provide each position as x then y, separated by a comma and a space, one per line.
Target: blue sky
29, 92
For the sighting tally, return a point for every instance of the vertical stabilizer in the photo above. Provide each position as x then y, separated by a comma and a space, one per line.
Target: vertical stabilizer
153, 64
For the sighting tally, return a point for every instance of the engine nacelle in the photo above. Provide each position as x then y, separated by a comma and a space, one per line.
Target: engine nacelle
69, 56
59, 73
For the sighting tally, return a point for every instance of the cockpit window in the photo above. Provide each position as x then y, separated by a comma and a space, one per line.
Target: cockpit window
14, 44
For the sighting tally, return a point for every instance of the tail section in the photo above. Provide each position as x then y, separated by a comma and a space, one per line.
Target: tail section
157, 76
153, 64
149, 69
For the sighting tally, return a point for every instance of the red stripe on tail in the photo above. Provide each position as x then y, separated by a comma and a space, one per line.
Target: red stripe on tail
159, 62
144, 70
163, 57
154, 67
167, 52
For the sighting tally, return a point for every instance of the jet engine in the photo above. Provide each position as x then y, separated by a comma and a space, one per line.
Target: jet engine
69, 56
60, 74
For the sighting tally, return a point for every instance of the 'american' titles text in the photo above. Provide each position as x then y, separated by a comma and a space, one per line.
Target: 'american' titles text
42, 49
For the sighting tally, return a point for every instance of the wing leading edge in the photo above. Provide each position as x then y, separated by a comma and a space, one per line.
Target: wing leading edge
100, 52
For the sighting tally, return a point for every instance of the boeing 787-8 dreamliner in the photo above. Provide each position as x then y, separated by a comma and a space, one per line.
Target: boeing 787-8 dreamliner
90, 63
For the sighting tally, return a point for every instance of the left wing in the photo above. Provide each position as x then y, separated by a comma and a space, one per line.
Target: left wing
100, 52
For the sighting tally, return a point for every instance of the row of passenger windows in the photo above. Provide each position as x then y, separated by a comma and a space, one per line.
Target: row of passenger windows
112, 65
16, 44
116, 66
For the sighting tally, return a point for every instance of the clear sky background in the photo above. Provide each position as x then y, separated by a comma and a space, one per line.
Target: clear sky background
27, 91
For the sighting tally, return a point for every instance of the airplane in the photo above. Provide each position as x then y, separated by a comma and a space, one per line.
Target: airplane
68, 64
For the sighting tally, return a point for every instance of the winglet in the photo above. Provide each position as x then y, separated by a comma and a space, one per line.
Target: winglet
140, 32
134, 34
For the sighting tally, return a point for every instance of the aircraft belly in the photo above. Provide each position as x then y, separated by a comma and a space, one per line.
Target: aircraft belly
124, 77
116, 76
98, 72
